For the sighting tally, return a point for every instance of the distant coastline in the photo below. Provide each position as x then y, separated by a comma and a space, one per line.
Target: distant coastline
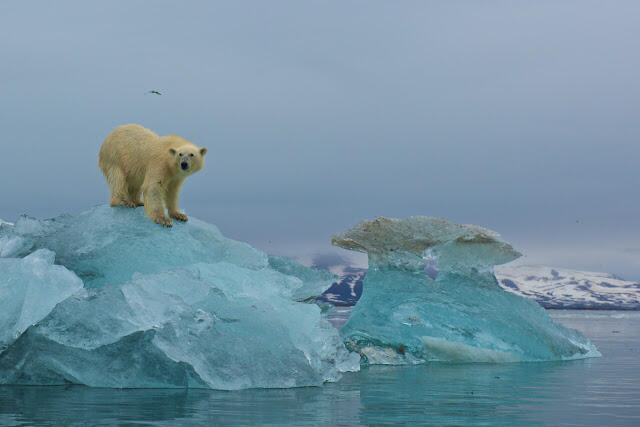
552, 289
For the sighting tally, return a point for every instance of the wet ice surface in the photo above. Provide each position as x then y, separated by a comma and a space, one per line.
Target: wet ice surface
594, 392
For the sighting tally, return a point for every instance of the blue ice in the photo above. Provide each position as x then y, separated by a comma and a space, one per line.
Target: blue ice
179, 307
405, 317
107, 298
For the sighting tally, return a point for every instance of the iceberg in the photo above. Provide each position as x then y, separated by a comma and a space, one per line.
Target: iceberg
107, 298
132, 304
463, 315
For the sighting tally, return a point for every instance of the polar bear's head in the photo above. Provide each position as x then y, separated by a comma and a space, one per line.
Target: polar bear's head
188, 158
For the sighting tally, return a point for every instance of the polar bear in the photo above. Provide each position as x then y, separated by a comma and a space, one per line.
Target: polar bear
136, 160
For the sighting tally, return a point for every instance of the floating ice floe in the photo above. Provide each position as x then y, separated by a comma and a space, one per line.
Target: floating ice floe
179, 307
405, 316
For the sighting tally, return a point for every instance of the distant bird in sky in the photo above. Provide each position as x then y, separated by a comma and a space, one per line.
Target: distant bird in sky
155, 92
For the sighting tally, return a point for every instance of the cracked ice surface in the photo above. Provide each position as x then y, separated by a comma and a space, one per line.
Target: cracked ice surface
405, 316
180, 307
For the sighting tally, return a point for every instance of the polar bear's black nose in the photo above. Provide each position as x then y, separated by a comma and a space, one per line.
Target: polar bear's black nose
184, 166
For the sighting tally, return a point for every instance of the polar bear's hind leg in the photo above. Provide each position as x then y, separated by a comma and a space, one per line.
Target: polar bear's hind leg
135, 195
118, 188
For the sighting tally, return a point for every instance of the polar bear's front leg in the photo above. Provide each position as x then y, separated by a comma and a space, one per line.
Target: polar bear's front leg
173, 193
153, 203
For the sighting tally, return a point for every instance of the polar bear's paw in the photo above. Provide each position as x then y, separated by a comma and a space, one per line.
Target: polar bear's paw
128, 204
179, 216
164, 221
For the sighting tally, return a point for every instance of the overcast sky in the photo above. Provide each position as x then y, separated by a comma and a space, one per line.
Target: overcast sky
521, 116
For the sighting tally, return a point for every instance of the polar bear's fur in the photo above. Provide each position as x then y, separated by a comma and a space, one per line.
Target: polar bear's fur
135, 160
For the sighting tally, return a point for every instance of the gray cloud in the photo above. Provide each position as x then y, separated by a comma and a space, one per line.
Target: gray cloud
328, 260
631, 250
520, 116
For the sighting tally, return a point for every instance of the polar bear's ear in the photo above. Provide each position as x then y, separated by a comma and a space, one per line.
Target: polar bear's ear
172, 151
203, 151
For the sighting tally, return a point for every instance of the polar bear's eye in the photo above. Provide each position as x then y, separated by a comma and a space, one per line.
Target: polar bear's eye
180, 154
191, 155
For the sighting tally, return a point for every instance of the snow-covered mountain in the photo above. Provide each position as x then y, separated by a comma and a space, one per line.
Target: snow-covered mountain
562, 288
347, 291
550, 287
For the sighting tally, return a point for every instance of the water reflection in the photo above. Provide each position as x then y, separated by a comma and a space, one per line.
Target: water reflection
603, 391
504, 394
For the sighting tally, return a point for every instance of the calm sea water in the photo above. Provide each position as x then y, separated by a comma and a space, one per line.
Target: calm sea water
598, 392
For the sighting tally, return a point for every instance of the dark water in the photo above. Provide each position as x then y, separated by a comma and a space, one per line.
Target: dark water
598, 392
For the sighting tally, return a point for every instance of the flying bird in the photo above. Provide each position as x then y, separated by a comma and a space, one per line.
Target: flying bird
155, 92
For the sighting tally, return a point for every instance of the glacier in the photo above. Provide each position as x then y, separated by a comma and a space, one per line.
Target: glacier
131, 304
404, 316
